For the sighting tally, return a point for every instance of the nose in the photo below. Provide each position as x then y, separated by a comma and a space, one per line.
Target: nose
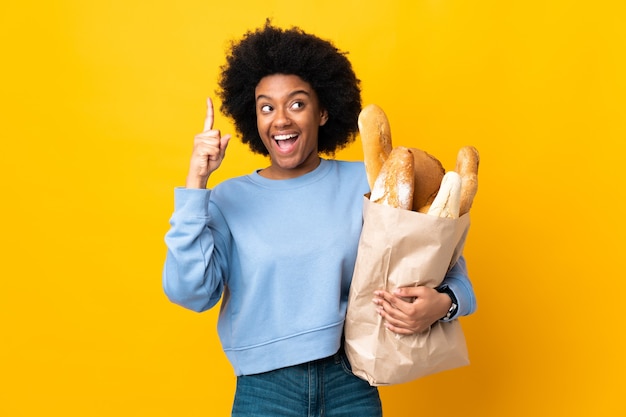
282, 118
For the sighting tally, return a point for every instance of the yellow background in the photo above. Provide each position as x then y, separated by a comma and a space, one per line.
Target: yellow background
99, 104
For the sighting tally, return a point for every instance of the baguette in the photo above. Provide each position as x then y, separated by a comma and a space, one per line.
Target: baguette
467, 167
376, 140
395, 182
448, 200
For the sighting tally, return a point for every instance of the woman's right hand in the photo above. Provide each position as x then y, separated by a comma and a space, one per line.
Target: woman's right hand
209, 148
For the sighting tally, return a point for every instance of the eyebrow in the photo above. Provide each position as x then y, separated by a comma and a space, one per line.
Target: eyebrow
293, 93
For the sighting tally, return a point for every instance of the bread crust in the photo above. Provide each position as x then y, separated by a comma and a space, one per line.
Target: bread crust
428, 173
467, 163
376, 140
395, 183
448, 200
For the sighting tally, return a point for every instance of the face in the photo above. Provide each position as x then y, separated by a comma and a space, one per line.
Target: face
288, 119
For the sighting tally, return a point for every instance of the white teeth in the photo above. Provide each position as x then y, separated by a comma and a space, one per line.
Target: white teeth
284, 137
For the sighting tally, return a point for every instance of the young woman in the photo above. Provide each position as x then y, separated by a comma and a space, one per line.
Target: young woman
278, 246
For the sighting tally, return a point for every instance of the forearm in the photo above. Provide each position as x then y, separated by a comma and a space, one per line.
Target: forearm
457, 280
193, 273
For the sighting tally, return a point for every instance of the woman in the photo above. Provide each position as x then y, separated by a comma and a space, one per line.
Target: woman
278, 246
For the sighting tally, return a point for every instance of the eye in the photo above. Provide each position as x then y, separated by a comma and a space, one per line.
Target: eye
266, 108
297, 105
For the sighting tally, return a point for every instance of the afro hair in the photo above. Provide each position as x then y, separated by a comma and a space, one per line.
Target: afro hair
271, 50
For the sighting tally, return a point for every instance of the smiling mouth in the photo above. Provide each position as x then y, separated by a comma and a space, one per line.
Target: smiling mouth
285, 141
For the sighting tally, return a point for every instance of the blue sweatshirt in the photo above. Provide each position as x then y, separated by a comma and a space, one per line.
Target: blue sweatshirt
280, 254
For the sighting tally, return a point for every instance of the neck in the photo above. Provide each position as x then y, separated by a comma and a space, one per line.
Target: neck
276, 172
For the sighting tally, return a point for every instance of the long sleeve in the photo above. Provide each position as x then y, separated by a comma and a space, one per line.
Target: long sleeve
281, 255
195, 266
458, 281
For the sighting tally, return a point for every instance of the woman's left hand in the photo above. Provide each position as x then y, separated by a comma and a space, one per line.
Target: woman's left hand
411, 309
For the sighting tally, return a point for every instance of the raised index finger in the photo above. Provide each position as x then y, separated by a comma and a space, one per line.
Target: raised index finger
208, 122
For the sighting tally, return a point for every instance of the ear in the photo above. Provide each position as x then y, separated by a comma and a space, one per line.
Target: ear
323, 118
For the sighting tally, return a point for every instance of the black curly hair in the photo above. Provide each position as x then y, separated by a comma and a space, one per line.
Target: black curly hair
271, 50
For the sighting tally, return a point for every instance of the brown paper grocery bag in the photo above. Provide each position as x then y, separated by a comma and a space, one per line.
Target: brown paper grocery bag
400, 248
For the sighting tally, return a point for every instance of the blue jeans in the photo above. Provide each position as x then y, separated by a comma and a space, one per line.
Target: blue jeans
326, 387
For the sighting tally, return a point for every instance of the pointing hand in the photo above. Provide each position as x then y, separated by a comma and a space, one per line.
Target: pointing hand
209, 148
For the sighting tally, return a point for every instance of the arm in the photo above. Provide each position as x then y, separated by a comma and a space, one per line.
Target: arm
196, 262
414, 309
457, 280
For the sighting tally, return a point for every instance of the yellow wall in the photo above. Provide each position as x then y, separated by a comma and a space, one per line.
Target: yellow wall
99, 104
